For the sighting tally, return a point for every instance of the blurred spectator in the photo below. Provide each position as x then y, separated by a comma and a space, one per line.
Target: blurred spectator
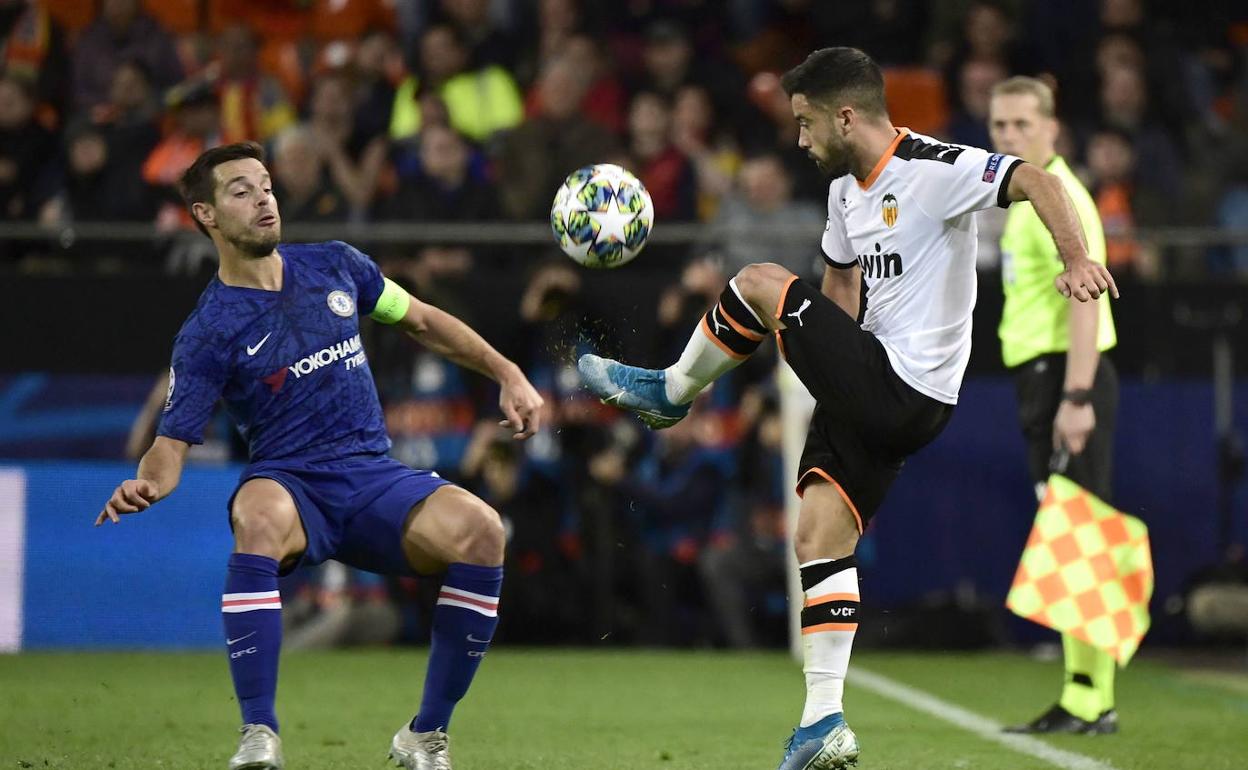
480, 102
745, 230
32, 47
662, 168
488, 42
988, 35
26, 151
709, 145
670, 61
890, 30
1113, 165
102, 179
743, 570
196, 127
120, 32
605, 101
535, 158
969, 124
444, 190
557, 21
673, 496
377, 66
254, 105
301, 184
1125, 106
132, 106
543, 591
355, 162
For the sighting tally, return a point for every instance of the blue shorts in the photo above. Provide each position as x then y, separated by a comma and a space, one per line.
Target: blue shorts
352, 510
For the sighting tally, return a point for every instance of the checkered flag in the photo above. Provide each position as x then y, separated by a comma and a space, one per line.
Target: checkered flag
1087, 571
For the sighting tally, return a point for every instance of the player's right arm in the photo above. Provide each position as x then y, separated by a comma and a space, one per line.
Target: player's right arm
158, 475
843, 285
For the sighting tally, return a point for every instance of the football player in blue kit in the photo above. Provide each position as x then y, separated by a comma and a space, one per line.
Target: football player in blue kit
276, 334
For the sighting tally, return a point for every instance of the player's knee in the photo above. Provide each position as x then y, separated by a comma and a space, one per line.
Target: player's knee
759, 281
261, 529
479, 537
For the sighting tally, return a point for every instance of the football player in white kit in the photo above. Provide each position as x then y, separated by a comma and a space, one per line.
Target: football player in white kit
885, 377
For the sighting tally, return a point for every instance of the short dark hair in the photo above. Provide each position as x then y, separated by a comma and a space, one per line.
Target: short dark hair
198, 185
836, 74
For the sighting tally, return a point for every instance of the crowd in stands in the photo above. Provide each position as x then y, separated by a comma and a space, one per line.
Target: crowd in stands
435, 110
475, 110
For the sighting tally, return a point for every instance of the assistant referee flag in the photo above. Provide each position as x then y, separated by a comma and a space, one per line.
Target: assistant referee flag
1087, 571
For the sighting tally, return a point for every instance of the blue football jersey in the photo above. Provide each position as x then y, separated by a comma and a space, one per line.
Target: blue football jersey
289, 363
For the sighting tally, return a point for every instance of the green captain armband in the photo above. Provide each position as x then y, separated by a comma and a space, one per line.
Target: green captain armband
392, 304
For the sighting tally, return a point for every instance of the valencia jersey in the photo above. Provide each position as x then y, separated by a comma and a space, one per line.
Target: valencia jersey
288, 363
910, 226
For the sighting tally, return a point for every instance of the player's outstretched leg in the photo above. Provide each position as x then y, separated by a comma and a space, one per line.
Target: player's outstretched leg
455, 528
266, 529
822, 740
727, 335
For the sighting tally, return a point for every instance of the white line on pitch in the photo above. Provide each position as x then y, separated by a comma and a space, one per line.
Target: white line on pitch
984, 727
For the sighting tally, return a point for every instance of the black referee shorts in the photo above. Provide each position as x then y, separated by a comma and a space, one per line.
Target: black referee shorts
1039, 386
867, 420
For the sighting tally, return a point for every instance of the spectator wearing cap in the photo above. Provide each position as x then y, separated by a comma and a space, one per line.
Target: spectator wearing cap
196, 127
121, 32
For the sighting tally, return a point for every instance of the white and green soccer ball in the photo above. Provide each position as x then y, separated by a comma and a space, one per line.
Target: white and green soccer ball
602, 216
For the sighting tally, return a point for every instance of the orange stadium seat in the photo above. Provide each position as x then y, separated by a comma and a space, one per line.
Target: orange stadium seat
916, 99
281, 59
349, 19
180, 17
72, 15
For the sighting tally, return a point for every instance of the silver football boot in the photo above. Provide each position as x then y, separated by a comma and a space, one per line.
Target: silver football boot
259, 749
421, 751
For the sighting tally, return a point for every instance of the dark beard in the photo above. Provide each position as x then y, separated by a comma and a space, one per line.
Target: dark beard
833, 170
257, 247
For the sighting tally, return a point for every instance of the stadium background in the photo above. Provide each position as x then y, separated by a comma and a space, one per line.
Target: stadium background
433, 136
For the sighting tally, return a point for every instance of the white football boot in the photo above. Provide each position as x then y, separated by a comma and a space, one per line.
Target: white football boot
421, 751
259, 749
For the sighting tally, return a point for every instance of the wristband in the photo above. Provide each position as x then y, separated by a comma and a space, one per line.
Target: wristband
1078, 396
392, 304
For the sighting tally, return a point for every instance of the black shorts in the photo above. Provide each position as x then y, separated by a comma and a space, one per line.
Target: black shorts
867, 420
1039, 386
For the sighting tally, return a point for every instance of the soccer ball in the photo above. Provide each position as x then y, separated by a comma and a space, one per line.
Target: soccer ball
602, 216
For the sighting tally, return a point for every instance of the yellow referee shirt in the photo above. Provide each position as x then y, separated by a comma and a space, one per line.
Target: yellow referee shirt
1036, 319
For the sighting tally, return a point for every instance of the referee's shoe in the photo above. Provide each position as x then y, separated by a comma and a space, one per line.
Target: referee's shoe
641, 391
1059, 720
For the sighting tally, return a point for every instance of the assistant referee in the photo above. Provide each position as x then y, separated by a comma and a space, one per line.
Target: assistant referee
1067, 390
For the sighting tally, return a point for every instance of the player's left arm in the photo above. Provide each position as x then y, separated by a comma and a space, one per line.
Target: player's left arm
1082, 279
453, 339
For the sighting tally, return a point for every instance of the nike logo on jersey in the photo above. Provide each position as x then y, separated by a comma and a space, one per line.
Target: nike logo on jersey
232, 642
475, 640
251, 349
798, 313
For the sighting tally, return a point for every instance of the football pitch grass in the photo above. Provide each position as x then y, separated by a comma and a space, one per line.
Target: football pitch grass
553, 709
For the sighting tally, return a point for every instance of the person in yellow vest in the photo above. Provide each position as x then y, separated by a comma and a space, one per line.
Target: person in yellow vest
479, 102
1067, 390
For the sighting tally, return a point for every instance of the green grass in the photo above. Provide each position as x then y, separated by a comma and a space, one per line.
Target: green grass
557, 709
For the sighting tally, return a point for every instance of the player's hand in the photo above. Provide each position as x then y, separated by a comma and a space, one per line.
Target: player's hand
521, 405
1084, 279
1072, 426
131, 496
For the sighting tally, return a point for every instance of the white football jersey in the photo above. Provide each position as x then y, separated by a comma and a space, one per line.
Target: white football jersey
911, 227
